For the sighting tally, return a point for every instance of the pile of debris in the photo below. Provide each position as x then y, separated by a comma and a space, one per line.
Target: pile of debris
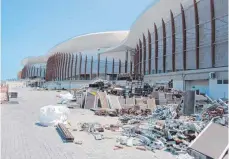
136, 110
92, 128
213, 110
106, 112
173, 135
130, 119
165, 112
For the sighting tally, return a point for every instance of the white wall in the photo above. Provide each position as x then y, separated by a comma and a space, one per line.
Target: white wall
15, 84
67, 84
217, 90
178, 85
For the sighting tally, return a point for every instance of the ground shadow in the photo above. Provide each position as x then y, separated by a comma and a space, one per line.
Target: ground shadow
38, 124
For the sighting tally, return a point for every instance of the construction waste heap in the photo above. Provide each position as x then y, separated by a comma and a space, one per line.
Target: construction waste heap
150, 117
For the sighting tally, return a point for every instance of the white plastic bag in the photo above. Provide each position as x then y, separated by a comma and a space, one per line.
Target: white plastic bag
51, 115
67, 96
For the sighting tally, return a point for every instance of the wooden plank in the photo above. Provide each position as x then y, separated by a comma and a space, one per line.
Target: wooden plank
65, 133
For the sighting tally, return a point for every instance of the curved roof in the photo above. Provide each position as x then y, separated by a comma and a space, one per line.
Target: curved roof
82, 43
34, 60
90, 42
153, 14
115, 41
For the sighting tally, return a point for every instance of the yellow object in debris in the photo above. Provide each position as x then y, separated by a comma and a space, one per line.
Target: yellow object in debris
93, 93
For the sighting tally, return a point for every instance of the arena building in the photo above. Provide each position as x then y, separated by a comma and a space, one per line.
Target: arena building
181, 40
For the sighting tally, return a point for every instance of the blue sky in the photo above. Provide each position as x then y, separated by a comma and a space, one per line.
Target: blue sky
32, 27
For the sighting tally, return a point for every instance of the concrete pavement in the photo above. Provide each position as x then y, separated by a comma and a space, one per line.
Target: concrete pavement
22, 138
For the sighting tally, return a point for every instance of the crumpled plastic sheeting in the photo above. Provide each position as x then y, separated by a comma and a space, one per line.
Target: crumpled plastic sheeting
51, 115
67, 96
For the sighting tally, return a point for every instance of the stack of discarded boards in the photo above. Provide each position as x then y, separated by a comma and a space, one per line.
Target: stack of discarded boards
65, 134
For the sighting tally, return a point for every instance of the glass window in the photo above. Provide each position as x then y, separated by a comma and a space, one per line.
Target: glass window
225, 81
219, 81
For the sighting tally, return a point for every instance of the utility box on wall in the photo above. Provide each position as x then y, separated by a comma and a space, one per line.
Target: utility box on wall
212, 75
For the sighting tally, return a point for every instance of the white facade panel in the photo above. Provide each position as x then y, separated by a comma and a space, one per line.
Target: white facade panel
191, 38
168, 62
152, 71
221, 44
160, 50
204, 33
179, 42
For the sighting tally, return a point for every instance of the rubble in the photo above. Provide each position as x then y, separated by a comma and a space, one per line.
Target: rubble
136, 110
171, 123
106, 112
171, 134
78, 142
165, 112
184, 156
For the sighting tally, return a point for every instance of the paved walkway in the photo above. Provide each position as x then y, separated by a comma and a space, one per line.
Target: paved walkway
23, 139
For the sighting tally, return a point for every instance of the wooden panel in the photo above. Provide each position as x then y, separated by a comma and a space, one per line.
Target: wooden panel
80, 65
69, 63
76, 66
164, 45
144, 54
212, 8
72, 68
85, 68
140, 55
56, 66
105, 71
184, 37
197, 33
149, 52
173, 41
91, 67
62, 67
156, 48
61, 62
137, 61
120, 66
65, 66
